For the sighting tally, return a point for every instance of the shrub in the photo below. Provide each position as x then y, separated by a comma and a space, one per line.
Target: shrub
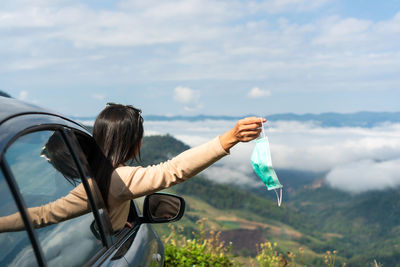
269, 257
204, 250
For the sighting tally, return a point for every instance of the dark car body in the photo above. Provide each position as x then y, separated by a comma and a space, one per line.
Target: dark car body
29, 179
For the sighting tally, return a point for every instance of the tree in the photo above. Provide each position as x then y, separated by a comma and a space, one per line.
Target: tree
4, 94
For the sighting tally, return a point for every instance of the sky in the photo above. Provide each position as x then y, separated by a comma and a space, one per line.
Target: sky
202, 57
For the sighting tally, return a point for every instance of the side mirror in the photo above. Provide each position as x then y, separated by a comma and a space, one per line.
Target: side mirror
162, 208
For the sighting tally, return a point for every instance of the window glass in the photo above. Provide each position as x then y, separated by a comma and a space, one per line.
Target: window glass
12, 244
50, 185
89, 153
86, 148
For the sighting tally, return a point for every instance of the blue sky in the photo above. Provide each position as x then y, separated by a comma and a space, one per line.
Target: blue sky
202, 57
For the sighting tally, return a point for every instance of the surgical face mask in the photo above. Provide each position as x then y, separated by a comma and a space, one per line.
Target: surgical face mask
262, 165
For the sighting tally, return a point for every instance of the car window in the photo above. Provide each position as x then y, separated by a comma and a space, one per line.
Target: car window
87, 148
46, 173
12, 244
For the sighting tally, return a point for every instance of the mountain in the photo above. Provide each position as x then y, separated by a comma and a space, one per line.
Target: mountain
362, 228
358, 119
2, 93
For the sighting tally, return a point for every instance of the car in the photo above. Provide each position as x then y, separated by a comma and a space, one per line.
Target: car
30, 178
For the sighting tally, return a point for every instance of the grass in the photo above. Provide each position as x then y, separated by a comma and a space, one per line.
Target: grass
286, 237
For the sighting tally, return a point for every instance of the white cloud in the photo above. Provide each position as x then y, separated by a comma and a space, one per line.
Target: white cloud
288, 6
365, 175
256, 92
356, 159
309, 147
188, 97
99, 96
23, 95
236, 168
190, 41
344, 31
364, 35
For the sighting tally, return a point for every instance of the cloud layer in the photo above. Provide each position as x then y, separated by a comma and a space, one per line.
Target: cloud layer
355, 159
194, 39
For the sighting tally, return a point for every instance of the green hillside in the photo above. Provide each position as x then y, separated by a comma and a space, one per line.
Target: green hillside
314, 217
2, 93
367, 225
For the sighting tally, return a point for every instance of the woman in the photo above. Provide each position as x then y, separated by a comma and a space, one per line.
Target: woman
118, 131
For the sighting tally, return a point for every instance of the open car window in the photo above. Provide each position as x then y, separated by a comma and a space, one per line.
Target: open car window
45, 173
87, 149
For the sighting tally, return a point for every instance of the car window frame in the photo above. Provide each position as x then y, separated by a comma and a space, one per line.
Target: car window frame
20, 202
127, 234
76, 146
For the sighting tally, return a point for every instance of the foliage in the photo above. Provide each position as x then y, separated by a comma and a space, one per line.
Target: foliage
268, 256
204, 250
225, 197
4, 94
159, 148
330, 258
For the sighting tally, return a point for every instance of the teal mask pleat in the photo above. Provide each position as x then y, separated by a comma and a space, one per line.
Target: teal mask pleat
262, 165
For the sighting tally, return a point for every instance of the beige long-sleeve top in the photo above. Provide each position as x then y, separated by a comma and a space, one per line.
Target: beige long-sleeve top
126, 183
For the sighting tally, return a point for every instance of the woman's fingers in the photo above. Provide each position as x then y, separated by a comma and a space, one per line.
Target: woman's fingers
249, 128
253, 120
246, 136
245, 130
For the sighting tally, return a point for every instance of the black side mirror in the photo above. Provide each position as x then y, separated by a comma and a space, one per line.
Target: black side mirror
162, 208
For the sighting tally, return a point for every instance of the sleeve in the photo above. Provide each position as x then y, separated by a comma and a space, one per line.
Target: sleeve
72, 205
143, 181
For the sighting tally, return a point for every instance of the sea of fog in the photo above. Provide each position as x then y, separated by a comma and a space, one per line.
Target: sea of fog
355, 159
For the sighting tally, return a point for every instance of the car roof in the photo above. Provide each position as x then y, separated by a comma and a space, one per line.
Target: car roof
16, 115
10, 107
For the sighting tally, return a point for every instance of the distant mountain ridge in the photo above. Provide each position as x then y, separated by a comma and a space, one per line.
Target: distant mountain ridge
331, 119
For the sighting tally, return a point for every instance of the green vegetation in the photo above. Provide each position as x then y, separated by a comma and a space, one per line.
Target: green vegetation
156, 149
363, 229
2, 93
207, 249
204, 250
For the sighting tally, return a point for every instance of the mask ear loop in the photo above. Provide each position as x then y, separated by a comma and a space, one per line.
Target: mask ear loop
262, 128
279, 198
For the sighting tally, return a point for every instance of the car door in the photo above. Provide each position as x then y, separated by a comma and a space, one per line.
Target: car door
137, 244
43, 166
45, 178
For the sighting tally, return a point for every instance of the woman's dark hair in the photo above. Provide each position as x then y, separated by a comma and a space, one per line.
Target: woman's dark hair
58, 155
118, 131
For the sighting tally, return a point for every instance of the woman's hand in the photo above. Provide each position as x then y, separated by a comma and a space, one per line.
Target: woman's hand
245, 130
